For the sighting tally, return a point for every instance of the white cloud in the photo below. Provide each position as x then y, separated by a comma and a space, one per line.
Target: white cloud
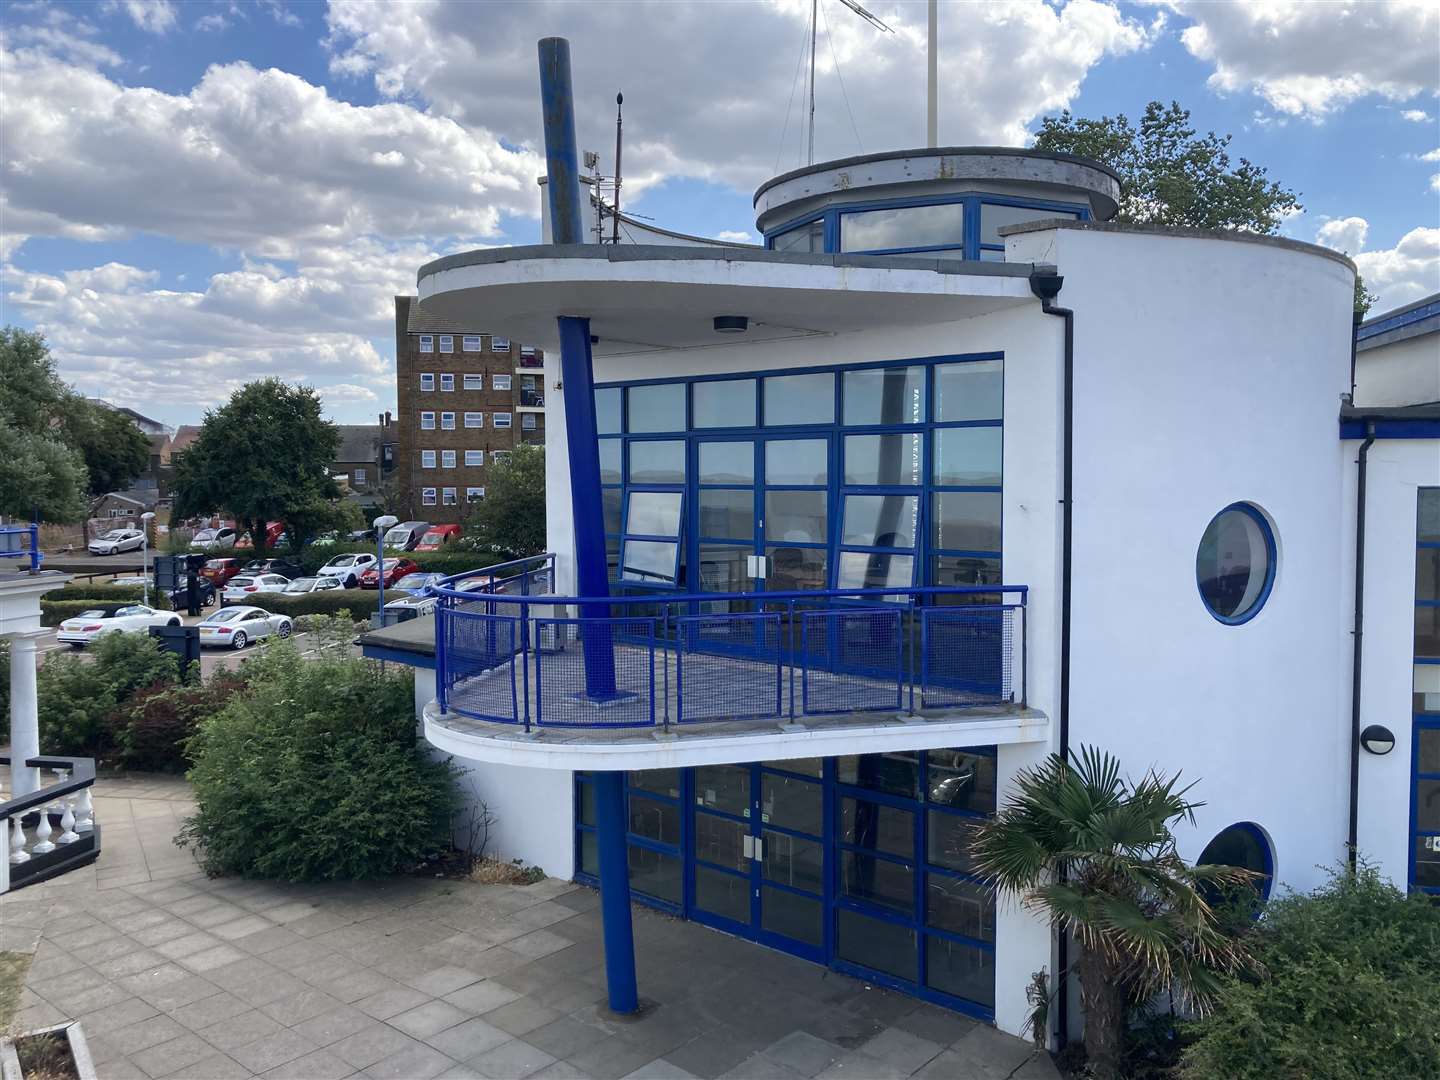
152, 16
346, 394
1415, 116
1435, 182
61, 34
706, 84
738, 236
1309, 59
1433, 155
1398, 275
1344, 234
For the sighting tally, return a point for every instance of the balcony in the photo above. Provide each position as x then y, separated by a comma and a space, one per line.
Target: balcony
530, 399
51, 830
534, 670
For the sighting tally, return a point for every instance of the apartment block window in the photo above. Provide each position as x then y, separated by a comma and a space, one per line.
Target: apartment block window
447, 459
470, 343
500, 382
527, 352
447, 421
474, 457
500, 419
474, 419
427, 459
427, 496
528, 421
474, 382
474, 494
497, 456
499, 344
447, 383
427, 421
427, 343
359, 476
448, 496
118, 512
447, 343
427, 381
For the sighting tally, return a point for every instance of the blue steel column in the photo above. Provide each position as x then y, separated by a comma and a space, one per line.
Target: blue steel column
587, 508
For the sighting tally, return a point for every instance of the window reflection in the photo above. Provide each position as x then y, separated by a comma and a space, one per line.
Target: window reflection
656, 462
800, 399
968, 457
974, 390
728, 403
654, 513
903, 227
967, 520
883, 459
885, 396
881, 520
657, 408
797, 461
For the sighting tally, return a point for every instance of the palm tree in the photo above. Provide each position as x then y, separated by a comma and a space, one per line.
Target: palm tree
1094, 853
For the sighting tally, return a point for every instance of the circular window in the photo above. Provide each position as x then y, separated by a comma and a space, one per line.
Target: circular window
1244, 845
1235, 565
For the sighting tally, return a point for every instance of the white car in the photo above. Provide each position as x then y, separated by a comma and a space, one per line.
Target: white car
236, 627
303, 585
135, 618
347, 568
214, 539
116, 541
410, 607
238, 588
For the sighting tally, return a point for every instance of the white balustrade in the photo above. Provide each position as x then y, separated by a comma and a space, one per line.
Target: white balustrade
42, 843
84, 812
18, 854
68, 835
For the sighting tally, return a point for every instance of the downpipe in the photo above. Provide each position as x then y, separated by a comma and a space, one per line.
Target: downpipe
1352, 842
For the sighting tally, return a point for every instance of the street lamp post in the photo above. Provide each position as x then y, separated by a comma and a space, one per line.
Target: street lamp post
145, 521
382, 523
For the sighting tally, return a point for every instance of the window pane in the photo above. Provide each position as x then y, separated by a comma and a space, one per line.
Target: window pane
657, 462
607, 411
972, 391
724, 787
793, 861
992, 217
610, 461
800, 399
884, 396
1428, 531
809, 766
657, 408
967, 520
790, 803
960, 906
870, 570
1427, 758
964, 971
727, 463
730, 403
723, 894
796, 917
654, 513
964, 570
721, 841
903, 227
876, 881
795, 568
897, 773
725, 512
1427, 864
1427, 805
877, 827
809, 237
797, 461
881, 520
723, 569
610, 499
590, 854
649, 560
589, 815
795, 516
1427, 574
1232, 565
968, 457
1427, 632
654, 820
874, 944
948, 838
883, 459
655, 874
962, 779
660, 781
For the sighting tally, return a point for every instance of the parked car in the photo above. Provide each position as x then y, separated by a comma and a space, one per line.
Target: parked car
117, 540
219, 571
359, 536
285, 567
214, 539
274, 536
238, 588
135, 618
393, 569
236, 627
204, 589
347, 568
437, 536
303, 585
413, 583
407, 608
133, 581
406, 535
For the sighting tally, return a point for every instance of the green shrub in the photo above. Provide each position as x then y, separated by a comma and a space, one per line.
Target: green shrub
83, 590
1349, 990
150, 731
78, 695
54, 612
361, 603
314, 773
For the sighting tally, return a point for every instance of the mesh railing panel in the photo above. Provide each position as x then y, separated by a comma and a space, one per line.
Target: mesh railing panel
727, 668
967, 656
563, 649
480, 655
850, 660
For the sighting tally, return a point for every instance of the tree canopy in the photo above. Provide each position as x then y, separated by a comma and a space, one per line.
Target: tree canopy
263, 456
115, 450
512, 514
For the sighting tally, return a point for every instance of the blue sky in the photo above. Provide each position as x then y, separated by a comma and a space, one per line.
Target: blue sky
198, 194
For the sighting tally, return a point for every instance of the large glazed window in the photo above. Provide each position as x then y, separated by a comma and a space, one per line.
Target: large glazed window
1425, 747
1235, 566
904, 227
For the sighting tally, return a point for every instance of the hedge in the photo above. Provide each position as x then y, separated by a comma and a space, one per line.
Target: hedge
361, 603
85, 591
54, 612
439, 562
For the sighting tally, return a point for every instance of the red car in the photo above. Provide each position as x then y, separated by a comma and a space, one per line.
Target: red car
219, 571
395, 569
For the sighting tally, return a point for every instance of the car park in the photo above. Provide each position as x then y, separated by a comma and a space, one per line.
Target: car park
236, 627
406, 535
214, 539
437, 536
393, 569
413, 583
303, 586
284, 567
347, 568
407, 608
116, 541
134, 618
243, 585
219, 571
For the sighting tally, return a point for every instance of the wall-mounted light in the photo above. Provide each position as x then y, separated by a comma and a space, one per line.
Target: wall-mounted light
731, 324
1377, 739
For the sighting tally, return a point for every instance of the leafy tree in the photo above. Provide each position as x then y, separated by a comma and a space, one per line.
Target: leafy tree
1364, 298
115, 450
1168, 175
512, 514
38, 471
264, 455
1094, 852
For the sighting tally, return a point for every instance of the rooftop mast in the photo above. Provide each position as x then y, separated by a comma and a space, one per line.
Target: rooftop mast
814, 16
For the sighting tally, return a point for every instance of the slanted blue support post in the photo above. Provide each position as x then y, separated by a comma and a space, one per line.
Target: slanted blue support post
588, 510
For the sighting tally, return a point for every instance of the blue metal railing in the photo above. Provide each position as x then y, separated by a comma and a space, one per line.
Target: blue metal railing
12, 545
508, 651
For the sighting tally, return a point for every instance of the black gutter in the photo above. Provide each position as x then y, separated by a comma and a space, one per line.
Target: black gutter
1352, 842
1046, 284
1354, 347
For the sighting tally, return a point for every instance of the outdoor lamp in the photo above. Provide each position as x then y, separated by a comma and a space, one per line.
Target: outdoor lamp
1377, 739
731, 324
381, 523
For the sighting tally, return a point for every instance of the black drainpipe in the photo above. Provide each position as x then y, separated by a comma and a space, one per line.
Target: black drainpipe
1352, 843
1046, 284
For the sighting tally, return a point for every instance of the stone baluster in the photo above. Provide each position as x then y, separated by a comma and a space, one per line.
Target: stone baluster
18, 854
85, 812
42, 843
68, 835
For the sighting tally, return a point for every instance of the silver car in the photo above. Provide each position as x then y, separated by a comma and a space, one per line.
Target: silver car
237, 588
117, 540
236, 627
303, 585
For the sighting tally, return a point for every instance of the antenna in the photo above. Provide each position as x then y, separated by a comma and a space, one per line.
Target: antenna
878, 23
615, 222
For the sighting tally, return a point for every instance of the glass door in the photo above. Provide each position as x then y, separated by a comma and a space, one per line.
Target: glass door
725, 519
794, 525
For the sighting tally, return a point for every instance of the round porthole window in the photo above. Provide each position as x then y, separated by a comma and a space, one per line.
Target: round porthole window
1235, 566
1246, 846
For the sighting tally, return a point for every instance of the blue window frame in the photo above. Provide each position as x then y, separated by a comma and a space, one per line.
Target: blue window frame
969, 233
1246, 846
1425, 745
1235, 564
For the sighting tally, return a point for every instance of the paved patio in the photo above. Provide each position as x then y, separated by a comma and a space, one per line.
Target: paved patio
177, 975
